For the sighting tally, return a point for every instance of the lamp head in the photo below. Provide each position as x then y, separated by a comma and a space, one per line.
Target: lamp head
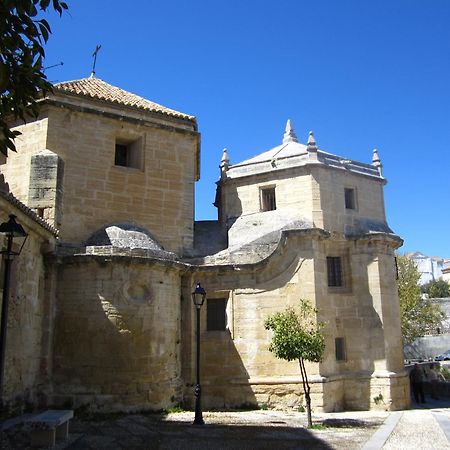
11, 230
198, 296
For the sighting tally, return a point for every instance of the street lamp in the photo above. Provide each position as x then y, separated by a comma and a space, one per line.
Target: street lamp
198, 297
11, 230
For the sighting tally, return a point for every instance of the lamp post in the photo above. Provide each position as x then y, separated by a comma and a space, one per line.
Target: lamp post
11, 230
198, 297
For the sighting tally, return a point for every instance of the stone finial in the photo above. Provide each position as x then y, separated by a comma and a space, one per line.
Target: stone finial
312, 146
289, 134
376, 161
224, 162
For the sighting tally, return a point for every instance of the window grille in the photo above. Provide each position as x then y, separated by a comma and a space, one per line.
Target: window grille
121, 156
268, 201
350, 202
339, 344
334, 270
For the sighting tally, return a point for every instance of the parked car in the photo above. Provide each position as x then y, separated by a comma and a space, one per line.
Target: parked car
444, 357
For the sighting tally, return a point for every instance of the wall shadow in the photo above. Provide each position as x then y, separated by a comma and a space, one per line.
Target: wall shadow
237, 367
117, 336
366, 318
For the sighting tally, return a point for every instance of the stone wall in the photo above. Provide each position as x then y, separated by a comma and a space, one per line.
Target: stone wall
117, 337
16, 168
158, 195
293, 190
237, 366
30, 319
315, 193
368, 195
427, 347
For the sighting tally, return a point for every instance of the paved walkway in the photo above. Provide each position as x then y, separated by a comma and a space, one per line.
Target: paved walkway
423, 427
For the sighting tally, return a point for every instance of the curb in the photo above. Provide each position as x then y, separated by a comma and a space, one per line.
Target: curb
380, 436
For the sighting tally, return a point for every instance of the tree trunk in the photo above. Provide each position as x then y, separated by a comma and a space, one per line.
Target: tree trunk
306, 390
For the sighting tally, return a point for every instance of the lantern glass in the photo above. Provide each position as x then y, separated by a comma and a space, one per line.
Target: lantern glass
198, 296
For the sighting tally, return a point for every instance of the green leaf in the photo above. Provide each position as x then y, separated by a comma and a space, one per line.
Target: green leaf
44, 4
43, 31
22, 40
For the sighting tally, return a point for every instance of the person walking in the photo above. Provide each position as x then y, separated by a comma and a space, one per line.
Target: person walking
417, 377
435, 378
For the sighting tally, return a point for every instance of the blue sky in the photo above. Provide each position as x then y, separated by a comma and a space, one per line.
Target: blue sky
361, 74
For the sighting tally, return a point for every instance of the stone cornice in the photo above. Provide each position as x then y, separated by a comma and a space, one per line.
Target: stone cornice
392, 240
137, 118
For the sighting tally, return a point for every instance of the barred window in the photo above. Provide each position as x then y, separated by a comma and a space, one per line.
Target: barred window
339, 344
121, 156
216, 316
350, 201
268, 201
334, 270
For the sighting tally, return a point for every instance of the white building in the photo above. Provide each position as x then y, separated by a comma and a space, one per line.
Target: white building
430, 267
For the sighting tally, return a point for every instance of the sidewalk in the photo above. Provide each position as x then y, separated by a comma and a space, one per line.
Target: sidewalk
425, 426
421, 428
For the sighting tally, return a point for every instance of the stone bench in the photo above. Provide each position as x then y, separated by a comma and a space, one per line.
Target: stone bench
49, 426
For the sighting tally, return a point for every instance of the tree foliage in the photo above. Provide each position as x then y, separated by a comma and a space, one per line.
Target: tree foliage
419, 316
437, 288
298, 336
23, 33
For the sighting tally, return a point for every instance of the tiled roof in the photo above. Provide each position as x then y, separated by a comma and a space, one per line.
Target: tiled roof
29, 212
98, 89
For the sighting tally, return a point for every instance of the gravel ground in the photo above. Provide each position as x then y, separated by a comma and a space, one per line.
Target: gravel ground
222, 430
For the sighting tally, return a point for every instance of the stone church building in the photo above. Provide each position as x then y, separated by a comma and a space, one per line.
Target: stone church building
101, 314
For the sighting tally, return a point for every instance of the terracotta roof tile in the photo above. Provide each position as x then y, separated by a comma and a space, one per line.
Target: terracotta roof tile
98, 89
28, 211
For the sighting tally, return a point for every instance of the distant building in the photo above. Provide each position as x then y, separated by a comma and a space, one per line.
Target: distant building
446, 270
430, 267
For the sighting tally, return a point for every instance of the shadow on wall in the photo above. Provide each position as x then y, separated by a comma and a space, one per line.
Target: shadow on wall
226, 381
355, 313
116, 344
349, 384
231, 358
223, 376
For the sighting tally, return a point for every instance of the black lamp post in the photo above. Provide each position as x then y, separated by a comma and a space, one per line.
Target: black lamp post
11, 230
198, 297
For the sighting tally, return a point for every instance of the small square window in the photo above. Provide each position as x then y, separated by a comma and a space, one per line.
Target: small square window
121, 157
268, 201
334, 271
350, 200
129, 154
216, 316
339, 345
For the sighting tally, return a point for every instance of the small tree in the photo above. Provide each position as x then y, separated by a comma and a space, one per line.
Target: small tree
22, 79
419, 316
437, 288
298, 336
